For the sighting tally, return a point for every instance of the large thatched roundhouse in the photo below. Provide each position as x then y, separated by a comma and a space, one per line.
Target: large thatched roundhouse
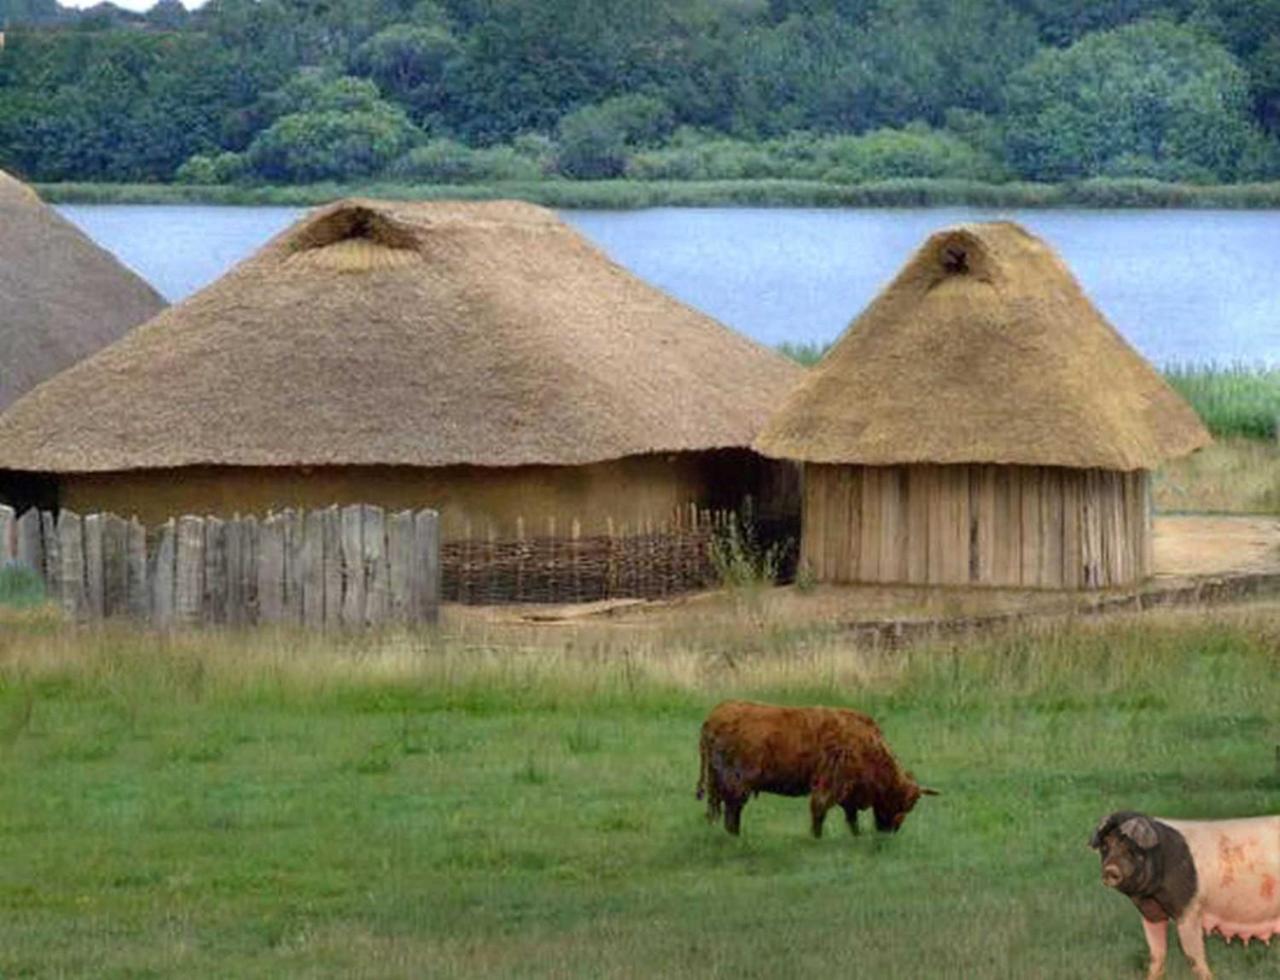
484, 359
61, 298
980, 423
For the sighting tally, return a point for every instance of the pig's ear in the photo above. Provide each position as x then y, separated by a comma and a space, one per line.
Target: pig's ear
1141, 831
1100, 831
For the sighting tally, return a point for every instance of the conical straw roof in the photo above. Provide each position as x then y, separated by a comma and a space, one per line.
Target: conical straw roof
984, 349
407, 334
61, 296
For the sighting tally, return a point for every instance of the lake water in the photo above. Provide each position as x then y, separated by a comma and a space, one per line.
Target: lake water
1180, 285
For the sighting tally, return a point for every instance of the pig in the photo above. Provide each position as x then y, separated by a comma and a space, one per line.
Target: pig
1206, 875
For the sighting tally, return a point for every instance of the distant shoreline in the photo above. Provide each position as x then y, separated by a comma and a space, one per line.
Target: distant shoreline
632, 194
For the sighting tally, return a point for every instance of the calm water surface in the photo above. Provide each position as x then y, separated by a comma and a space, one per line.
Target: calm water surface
1180, 285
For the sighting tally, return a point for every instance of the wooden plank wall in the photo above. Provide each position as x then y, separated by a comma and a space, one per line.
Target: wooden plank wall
1032, 527
351, 568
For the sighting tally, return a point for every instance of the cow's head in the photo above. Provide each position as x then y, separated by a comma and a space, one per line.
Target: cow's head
895, 803
1128, 843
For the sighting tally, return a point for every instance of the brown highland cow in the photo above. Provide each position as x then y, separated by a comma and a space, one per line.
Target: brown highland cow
835, 756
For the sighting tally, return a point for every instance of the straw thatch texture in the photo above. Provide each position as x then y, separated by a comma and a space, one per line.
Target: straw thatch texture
61, 296
377, 333
984, 349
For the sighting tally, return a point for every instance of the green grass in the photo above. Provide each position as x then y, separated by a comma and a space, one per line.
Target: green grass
1233, 400
269, 804
623, 194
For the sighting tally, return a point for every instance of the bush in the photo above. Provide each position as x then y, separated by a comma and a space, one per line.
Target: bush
305, 147
211, 168
446, 161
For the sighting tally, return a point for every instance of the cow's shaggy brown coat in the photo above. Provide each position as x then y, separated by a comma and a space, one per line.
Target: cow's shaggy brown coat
835, 756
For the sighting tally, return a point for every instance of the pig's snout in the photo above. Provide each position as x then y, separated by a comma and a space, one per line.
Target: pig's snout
1111, 875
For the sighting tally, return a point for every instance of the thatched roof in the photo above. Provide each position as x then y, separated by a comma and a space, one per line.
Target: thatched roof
61, 296
983, 349
413, 334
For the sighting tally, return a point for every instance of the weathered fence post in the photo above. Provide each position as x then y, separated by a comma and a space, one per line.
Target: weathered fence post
310, 572
138, 600
160, 575
331, 572
30, 547
373, 534
71, 564
353, 570
217, 577
188, 575
8, 544
93, 585
271, 556
52, 555
293, 543
115, 566
426, 528
401, 586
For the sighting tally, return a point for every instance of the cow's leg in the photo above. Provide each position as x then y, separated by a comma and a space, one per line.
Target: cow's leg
851, 816
819, 804
1191, 938
1157, 945
733, 813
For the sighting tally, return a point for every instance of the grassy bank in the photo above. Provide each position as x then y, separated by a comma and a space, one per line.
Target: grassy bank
623, 194
273, 804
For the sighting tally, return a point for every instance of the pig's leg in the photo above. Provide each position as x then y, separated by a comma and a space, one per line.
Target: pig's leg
733, 813
1157, 945
1191, 937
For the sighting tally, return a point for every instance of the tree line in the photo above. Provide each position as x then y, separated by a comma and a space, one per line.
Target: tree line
295, 91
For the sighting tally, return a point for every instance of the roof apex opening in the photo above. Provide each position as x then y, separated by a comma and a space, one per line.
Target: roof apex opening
352, 221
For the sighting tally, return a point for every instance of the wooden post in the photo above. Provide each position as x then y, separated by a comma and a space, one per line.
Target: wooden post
8, 542
188, 576
93, 584
161, 575
401, 586
52, 554
71, 580
310, 573
137, 596
294, 540
271, 552
353, 570
521, 555
30, 550
216, 575
331, 566
234, 547
426, 526
250, 543
373, 535
115, 566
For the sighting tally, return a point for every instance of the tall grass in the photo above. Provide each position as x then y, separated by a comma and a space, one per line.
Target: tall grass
1233, 400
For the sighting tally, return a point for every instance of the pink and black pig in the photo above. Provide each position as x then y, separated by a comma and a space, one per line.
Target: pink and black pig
1205, 875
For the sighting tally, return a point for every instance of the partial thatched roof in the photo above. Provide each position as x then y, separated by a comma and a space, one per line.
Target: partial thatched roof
61, 296
984, 349
412, 334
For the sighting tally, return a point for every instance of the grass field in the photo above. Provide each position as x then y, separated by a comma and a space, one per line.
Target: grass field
410, 805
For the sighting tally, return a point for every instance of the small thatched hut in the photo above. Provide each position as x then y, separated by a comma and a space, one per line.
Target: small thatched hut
980, 423
61, 296
483, 359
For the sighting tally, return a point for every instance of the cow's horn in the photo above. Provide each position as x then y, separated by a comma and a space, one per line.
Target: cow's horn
926, 791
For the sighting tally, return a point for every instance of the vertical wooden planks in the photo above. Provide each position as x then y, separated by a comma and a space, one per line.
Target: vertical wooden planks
1091, 531
893, 516
137, 592
353, 570
956, 508
1029, 527
812, 522
838, 536
1050, 572
160, 573
294, 539
30, 543
115, 566
8, 536
919, 493
233, 535
188, 572
373, 535
402, 584
71, 581
427, 549
870, 522
93, 584
217, 575
271, 559
331, 529
938, 521
1007, 559
310, 570
52, 554
982, 524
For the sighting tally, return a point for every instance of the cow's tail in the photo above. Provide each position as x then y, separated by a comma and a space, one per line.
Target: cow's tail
708, 786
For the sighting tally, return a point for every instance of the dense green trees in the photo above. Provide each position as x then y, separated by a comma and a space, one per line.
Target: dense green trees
447, 90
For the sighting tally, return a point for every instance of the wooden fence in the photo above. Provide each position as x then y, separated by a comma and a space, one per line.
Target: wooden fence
646, 561
339, 567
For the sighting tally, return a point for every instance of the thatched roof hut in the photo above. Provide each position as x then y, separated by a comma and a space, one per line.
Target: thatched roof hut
61, 296
980, 422
480, 357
